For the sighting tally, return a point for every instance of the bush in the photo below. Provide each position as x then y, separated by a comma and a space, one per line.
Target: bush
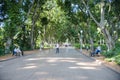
103, 47
117, 59
108, 54
110, 59
1, 52
77, 45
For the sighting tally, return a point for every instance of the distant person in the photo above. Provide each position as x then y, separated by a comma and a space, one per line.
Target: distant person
87, 48
57, 48
98, 50
41, 46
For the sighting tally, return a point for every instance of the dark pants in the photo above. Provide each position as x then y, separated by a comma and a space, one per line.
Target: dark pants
14, 53
98, 51
57, 50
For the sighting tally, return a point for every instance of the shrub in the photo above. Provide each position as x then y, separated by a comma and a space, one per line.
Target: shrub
77, 45
103, 47
108, 54
117, 59
1, 52
110, 59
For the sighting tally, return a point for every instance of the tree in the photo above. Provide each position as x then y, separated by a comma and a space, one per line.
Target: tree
109, 41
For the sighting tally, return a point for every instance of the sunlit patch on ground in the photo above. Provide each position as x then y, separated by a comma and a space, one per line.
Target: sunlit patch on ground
77, 67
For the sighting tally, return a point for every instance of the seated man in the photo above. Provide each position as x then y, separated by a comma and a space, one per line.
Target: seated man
98, 50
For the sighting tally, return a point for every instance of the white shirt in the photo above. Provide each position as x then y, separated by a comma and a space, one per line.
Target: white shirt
18, 50
57, 45
15, 50
98, 48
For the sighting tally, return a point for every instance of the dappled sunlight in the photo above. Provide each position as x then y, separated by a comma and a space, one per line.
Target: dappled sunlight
88, 67
78, 67
29, 67
32, 59
87, 64
51, 60
98, 62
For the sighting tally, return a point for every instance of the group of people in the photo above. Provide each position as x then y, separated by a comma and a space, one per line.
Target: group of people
17, 51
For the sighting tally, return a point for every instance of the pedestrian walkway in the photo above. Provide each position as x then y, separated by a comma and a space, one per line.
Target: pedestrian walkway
69, 64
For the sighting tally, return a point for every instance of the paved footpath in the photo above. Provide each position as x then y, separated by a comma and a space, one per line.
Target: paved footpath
69, 64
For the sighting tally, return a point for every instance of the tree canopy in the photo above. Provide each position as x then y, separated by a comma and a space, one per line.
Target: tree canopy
28, 22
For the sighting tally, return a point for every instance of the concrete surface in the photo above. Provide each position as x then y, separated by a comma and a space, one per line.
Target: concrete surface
69, 64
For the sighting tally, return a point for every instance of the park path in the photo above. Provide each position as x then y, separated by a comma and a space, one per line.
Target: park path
69, 64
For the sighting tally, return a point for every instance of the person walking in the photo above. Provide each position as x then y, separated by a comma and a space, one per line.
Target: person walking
41, 46
57, 48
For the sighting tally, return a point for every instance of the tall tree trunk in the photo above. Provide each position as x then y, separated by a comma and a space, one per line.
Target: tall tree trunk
109, 41
33, 25
92, 44
108, 38
7, 46
32, 35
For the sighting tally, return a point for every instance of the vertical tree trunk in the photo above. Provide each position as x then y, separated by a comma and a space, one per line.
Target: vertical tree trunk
109, 41
32, 36
108, 38
34, 18
7, 46
92, 44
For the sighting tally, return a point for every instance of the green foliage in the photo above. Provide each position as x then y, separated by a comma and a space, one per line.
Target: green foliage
117, 59
110, 59
1, 51
77, 45
108, 54
56, 21
103, 47
113, 55
114, 59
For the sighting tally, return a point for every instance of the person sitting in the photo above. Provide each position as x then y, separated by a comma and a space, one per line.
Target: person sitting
98, 50
14, 52
17, 51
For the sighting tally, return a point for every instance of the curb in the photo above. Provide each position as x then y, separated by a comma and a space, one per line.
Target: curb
14, 57
7, 59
